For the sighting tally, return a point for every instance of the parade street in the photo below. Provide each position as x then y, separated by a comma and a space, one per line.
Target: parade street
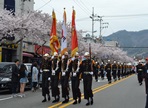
125, 93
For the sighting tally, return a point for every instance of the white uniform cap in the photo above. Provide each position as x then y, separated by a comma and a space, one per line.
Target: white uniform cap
77, 54
114, 61
46, 55
55, 54
86, 54
66, 53
108, 60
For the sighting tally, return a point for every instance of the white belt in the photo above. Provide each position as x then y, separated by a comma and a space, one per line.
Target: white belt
45, 69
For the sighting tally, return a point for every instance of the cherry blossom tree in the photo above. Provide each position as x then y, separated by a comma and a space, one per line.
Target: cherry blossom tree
35, 27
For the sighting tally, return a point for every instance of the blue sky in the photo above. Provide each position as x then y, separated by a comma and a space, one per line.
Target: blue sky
111, 10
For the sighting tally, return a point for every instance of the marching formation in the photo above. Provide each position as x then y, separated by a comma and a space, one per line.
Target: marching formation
59, 70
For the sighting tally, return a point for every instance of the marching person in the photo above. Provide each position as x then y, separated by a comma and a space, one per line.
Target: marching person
65, 77
122, 70
119, 70
114, 71
46, 68
96, 69
87, 73
108, 69
145, 75
56, 69
75, 79
139, 70
102, 67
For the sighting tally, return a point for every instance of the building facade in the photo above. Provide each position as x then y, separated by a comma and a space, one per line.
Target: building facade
8, 51
17, 5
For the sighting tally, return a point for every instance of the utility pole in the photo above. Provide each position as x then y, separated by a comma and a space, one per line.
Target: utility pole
20, 47
94, 17
102, 26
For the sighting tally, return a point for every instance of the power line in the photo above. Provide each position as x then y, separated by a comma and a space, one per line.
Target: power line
126, 47
130, 15
44, 5
84, 6
81, 7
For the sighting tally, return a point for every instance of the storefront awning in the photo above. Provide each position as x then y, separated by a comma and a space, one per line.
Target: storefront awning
28, 55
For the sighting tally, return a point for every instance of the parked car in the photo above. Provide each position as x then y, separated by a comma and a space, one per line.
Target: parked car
6, 74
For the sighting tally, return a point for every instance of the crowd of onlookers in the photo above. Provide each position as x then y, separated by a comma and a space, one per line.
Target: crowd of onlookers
20, 78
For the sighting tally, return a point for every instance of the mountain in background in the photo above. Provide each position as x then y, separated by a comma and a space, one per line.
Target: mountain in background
135, 42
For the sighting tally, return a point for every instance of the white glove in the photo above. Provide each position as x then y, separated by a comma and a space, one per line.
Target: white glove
48, 78
41, 70
52, 57
53, 72
73, 58
74, 74
63, 73
91, 73
63, 56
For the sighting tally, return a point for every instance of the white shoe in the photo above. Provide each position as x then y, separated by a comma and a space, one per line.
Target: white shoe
98, 81
14, 95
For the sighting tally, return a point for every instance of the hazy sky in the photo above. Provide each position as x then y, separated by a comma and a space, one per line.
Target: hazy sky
107, 8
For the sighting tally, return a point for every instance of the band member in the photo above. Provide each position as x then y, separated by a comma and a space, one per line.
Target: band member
75, 79
108, 69
139, 70
119, 70
87, 73
65, 66
122, 70
96, 69
114, 71
145, 75
46, 68
102, 68
125, 70
56, 69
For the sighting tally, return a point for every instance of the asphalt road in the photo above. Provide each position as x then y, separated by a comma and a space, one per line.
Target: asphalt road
125, 93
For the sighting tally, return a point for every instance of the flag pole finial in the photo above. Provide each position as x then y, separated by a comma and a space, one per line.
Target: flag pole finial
73, 7
64, 8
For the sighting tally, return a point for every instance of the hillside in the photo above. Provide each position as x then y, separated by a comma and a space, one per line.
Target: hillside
135, 41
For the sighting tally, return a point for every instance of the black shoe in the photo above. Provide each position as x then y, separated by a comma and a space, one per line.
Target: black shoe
91, 102
75, 102
44, 100
67, 100
54, 101
48, 98
87, 103
79, 100
140, 84
64, 101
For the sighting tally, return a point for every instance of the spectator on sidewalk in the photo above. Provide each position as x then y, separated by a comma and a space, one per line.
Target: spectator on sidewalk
15, 78
35, 72
23, 79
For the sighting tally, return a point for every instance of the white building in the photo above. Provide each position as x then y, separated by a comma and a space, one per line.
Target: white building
17, 5
111, 43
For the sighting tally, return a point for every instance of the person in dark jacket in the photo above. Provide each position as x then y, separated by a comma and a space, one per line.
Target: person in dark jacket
86, 68
75, 79
145, 75
46, 74
15, 78
56, 69
139, 70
